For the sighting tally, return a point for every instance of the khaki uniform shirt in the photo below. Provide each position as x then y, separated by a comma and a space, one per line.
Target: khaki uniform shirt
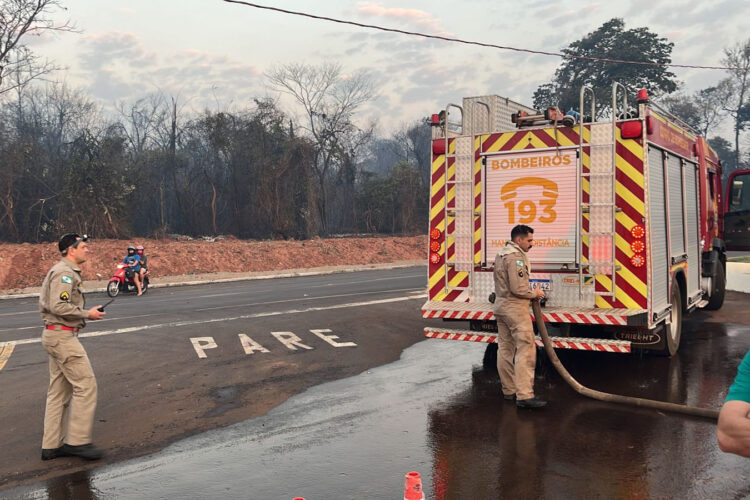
511, 276
61, 300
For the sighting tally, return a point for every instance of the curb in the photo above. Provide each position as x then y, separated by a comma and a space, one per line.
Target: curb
172, 281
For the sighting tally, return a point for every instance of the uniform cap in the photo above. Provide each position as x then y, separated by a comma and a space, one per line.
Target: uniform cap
69, 239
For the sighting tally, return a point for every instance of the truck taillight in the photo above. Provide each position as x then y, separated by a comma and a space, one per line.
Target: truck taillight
637, 246
435, 258
435, 246
435, 234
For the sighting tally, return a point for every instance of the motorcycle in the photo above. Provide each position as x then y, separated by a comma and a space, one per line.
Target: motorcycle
123, 281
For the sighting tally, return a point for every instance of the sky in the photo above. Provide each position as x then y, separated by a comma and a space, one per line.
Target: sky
214, 55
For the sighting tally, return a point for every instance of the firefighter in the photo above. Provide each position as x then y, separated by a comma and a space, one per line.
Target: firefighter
515, 333
71, 395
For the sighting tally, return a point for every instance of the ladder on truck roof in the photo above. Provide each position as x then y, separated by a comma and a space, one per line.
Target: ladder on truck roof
462, 214
601, 208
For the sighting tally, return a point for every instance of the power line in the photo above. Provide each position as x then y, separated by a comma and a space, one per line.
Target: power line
470, 42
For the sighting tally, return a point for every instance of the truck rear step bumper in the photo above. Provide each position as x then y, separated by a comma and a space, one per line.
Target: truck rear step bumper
577, 343
579, 315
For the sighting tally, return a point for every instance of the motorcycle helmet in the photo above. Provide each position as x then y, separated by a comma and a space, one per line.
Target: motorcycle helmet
131, 248
139, 248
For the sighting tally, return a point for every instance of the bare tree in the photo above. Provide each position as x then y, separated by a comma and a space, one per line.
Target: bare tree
738, 58
143, 119
329, 100
19, 19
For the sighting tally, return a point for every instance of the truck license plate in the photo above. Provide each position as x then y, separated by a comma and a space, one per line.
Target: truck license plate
545, 285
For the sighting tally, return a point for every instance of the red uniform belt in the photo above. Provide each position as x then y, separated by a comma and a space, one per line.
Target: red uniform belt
61, 327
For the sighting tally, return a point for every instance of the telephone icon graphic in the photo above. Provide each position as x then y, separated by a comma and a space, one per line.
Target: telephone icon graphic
527, 209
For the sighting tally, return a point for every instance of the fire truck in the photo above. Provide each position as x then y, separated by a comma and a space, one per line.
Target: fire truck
627, 215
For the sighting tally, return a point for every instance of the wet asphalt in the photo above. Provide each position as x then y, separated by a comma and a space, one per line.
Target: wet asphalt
437, 411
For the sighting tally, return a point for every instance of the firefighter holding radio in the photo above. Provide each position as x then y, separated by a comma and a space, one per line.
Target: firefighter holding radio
516, 357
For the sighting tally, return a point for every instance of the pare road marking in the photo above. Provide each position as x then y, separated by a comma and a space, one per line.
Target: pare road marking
287, 339
143, 328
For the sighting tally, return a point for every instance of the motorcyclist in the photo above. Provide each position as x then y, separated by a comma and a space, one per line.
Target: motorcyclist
139, 250
133, 260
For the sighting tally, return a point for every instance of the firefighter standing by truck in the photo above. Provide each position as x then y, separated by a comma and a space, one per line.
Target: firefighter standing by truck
515, 334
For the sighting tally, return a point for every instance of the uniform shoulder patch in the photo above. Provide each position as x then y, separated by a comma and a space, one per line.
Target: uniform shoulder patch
65, 296
519, 263
67, 279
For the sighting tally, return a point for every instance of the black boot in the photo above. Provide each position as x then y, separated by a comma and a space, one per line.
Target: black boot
530, 403
85, 451
52, 453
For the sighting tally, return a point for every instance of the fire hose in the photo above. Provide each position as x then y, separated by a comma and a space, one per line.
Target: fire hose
604, 396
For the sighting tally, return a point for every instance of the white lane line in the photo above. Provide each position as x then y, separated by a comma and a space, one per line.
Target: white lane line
119, 318
35, 311
126, 318
174, 324
327, 285
307, 298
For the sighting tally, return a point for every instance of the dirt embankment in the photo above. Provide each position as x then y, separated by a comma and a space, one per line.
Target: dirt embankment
24, 265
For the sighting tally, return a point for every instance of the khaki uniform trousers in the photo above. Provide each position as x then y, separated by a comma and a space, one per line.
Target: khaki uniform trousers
516, 355
71, 396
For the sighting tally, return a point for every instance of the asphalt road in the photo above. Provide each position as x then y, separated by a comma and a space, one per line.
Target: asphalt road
182, 360
348, 421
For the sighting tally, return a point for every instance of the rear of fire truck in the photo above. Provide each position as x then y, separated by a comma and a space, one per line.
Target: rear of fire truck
625, 212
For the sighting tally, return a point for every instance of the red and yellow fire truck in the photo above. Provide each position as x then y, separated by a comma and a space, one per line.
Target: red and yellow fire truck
627, 218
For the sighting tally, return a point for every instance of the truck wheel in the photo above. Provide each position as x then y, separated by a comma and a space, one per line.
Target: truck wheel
718, 288
489, 362
113, 288
673, 331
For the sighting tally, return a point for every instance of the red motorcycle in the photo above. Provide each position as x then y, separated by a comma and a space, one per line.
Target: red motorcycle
124, 281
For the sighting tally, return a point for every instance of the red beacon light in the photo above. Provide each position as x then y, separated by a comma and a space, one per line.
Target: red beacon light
642, 96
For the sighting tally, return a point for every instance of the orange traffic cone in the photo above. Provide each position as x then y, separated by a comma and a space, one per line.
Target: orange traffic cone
413, 487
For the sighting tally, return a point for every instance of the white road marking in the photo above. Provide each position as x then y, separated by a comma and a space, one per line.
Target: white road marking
327, 285
331, 339
174, 324
290, 340
200, 344
5, 352
249, 304
250, 346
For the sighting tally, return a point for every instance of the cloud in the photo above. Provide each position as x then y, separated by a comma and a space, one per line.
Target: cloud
414, 17
117, 66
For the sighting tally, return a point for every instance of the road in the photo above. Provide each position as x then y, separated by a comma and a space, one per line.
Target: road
348, 421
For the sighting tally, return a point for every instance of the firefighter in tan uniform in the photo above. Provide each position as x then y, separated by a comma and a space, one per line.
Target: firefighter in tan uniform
515, 334
71, 396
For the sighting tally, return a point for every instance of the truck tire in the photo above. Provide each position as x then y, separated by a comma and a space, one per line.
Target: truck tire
489, 362
673, 331
718, 288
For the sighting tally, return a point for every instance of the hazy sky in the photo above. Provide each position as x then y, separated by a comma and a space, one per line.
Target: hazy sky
214, 54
